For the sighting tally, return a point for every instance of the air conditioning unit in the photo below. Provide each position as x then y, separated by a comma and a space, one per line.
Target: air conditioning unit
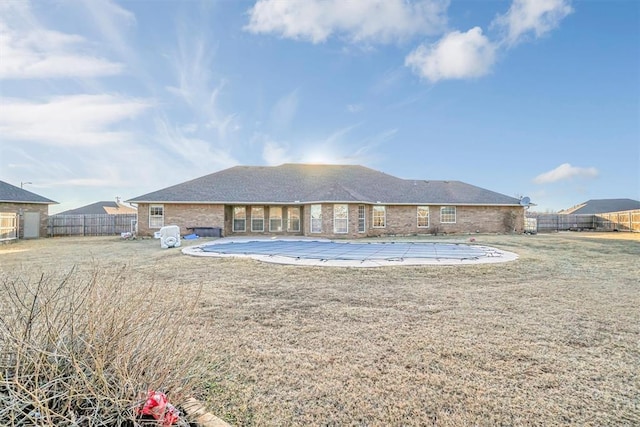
170, 236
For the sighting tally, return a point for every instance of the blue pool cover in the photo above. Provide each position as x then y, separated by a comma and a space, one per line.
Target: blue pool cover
330, 250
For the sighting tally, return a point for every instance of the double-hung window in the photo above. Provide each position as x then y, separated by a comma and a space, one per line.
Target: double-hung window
294, 219
448, 214
423, 216
239, 218
316, 218
340, 218
379, 217
156, 216
275, 218
257, 218
362, 219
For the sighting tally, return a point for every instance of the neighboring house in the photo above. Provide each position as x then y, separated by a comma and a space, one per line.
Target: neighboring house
600, 206
102, 208
97, 219
32, 210
326, 201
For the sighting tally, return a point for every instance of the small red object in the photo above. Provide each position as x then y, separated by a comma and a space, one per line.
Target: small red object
159, 408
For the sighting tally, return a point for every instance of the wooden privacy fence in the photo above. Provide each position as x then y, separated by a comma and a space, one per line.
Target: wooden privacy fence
611, 221
8, 226
91, 225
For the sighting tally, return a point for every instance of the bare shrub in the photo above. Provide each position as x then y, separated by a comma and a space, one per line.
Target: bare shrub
83, 349
510, 221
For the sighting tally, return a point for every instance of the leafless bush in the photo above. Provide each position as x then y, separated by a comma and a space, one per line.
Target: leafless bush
510, 221
83, 349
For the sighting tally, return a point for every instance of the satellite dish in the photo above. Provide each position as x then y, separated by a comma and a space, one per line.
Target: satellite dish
525, 201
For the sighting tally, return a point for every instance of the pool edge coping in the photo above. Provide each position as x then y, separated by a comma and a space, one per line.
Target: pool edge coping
504, 256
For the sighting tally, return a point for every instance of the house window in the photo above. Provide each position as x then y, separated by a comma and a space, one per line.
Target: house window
257, 218
423, 216
316, 218
362, 219
340, 218
275, 218
239, 218
448, 214
294, 219
156, 216
379, 217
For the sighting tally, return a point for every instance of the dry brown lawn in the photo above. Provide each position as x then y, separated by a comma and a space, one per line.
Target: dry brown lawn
552, 338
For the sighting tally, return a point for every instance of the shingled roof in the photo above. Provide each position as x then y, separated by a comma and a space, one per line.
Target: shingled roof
597, 206
305, 183
99, 208
12, 194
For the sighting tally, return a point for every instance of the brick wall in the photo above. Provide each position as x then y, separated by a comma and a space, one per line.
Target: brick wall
19, 208
182, 215
400, 220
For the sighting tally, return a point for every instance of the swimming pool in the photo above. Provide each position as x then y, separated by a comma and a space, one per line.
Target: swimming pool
351, 253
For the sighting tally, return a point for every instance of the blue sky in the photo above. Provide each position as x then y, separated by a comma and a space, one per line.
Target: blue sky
105, 99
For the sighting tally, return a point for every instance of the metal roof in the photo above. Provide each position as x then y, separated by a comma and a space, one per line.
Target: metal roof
305, 183
12, 194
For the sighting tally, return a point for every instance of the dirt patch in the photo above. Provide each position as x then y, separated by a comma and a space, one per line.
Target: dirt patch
548, 339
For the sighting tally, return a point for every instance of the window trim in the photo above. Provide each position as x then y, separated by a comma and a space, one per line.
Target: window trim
418, 216
336, 208
156, 216
443, 214
233, 221
257, 218
378, 208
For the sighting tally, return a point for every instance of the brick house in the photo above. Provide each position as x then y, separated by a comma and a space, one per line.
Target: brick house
32, 210
326, 201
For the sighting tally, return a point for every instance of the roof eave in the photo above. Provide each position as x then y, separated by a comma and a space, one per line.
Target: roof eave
30, 202
311, 202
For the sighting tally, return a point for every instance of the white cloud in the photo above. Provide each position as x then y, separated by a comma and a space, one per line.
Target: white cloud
355, 108
28, 50
455, 56
112, 21
537, 16
275, 153
193, 62
76, 120
199, 155
360, 21
563, 172
336, 148
285, 110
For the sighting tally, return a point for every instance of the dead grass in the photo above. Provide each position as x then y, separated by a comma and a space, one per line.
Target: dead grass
549, 339
82, 348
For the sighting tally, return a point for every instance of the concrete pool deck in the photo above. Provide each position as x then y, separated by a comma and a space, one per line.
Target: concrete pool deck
349, 253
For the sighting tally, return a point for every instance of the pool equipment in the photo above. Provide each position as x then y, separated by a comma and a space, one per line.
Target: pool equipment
170, 237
